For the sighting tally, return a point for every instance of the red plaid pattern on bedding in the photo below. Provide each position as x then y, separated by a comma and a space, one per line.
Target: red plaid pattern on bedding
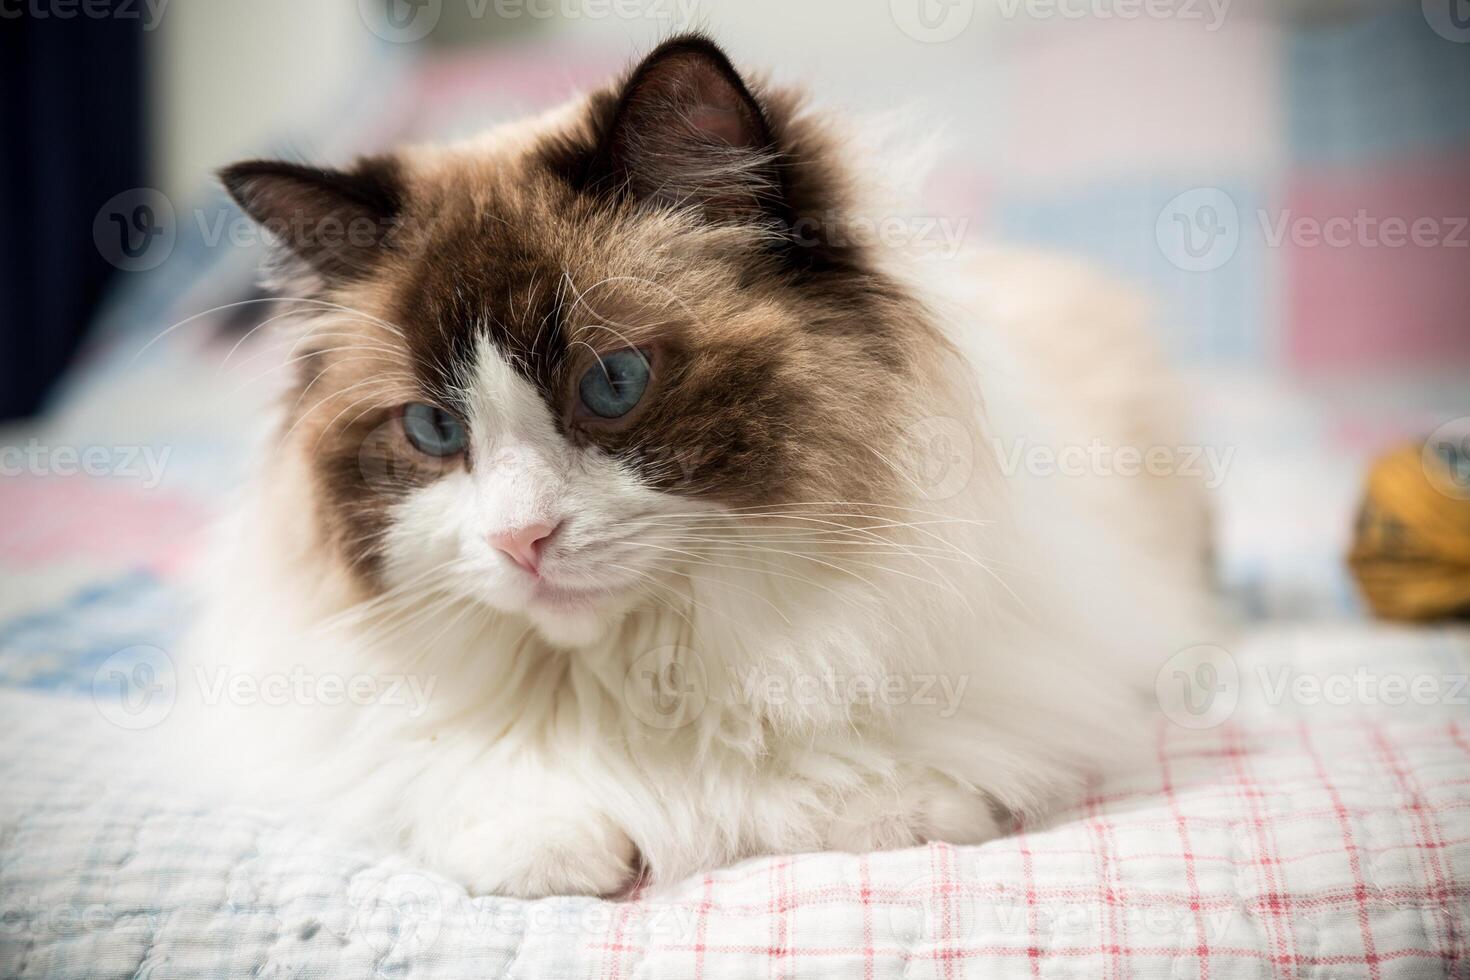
1304, 839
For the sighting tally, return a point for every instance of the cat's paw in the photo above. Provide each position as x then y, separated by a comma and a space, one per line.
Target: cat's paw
539, 855
928, 809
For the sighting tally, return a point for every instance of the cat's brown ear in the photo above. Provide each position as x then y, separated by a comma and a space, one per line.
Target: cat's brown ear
687, 131
338, 222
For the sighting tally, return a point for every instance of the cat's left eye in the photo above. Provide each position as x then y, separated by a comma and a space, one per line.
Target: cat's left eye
433, 431
614, 385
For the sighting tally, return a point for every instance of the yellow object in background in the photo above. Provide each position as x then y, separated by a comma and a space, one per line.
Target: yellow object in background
1411, 549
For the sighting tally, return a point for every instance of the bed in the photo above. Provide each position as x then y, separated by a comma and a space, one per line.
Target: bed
1311, 819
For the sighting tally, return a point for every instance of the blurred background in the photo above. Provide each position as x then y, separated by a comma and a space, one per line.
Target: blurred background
1289, 182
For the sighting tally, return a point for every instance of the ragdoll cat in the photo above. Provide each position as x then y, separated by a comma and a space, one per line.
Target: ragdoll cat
653, 511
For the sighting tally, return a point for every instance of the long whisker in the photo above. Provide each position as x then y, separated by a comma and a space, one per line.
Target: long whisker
685, 573
682, 573
653, 581
920, 527
372, 394
409, 589
311, 301
765, 570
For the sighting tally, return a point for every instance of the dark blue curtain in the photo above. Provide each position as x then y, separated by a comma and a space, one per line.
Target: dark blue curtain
72, 135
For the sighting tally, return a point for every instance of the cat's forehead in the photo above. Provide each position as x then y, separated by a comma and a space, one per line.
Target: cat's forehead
514, 258
481, 271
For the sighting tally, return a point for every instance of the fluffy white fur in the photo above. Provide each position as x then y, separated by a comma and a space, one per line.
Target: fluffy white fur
680, 713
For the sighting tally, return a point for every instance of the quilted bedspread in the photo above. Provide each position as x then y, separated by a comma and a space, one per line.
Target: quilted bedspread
1322, 830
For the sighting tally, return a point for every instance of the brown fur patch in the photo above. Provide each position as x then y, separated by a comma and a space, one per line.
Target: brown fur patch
778, 363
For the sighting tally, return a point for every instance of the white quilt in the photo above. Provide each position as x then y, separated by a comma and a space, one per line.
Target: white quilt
1320, 830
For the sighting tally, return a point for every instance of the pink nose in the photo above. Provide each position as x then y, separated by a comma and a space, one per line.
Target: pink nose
523, 544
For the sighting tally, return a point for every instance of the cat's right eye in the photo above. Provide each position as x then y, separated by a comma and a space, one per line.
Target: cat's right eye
433, 431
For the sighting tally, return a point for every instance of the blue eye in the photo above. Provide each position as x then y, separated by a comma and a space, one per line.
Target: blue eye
611, 387
433, 431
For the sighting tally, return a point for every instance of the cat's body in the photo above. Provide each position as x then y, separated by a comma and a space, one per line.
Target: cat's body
793, 599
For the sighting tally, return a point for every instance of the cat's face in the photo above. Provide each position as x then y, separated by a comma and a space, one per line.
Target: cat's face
559, 367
